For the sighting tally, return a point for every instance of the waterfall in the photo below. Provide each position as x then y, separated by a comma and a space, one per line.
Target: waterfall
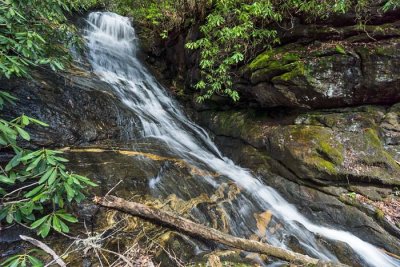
112, 46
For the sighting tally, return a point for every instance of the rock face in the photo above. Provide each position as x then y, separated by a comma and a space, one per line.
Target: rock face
323, 155
79, 108
347, 146
325, 64
324, 75
321, 110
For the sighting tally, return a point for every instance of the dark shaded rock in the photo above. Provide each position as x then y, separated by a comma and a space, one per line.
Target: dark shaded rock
332, 62
78, 107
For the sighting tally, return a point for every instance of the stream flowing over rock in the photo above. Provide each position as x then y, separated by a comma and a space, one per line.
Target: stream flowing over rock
117, 122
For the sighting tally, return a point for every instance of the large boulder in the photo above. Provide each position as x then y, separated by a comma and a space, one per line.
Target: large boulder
346, 146
323, 75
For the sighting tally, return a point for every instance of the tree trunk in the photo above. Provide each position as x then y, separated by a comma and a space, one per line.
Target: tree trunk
198, 230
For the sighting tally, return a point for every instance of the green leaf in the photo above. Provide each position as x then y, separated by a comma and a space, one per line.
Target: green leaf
68, 217
64, 227
13, 162
3, 212
7, 130
17, 216
34, 191
52, 177
44, 229
8, 96
25, 120
56, 224
6, 180
15, 263
61, 159
46, 175
70, 191
9, 217
38, 122
39, 222
340, 49
31, 155
27, 208
34, 163
10, 260
23, 133
35, 261
3, 141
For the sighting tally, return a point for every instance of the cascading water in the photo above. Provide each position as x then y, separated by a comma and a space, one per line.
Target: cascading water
112, 47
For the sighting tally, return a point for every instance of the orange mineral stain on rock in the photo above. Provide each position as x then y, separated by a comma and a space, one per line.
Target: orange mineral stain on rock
263, 219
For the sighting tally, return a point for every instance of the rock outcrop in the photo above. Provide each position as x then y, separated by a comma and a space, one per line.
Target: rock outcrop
331, 63
327, 158
325, 75
320, 109
339, 146
79, 108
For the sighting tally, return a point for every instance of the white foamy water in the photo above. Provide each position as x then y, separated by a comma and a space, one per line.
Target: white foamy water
112, 46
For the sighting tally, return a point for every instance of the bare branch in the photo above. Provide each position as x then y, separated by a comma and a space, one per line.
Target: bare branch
45, 248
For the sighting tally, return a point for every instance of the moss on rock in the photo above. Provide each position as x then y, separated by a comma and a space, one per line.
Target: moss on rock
324, 146
316, 147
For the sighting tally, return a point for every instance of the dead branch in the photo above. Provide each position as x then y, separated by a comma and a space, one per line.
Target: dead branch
198, 230
45, 248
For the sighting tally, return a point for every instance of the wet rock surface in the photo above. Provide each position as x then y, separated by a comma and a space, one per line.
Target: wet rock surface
79, 108
346, 146
324, 156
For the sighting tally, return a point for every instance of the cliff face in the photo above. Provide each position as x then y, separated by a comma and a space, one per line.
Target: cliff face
320, 110
329, 64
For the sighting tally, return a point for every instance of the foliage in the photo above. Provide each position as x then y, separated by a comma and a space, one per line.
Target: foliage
22, 260
232, 30
160, 17
36, 190
34, 183
34, 33
44, 179
352, 195
391, 5
236, 28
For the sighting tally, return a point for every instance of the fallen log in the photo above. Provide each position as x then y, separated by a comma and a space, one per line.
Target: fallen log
199, 230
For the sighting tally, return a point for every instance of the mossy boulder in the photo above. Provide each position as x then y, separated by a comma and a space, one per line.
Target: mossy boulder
324, 74
237, 124
346, 145
341, 146
308, 151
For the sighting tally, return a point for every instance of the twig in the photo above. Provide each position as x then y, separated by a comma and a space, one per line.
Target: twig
19, 189
122, 257
45, 248
120, 181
